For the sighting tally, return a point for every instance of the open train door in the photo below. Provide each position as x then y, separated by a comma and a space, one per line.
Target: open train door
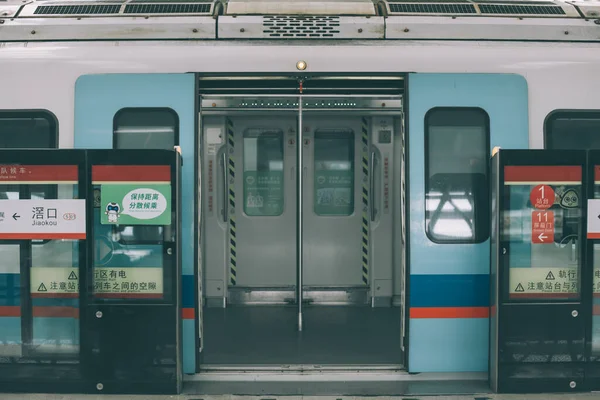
149, 112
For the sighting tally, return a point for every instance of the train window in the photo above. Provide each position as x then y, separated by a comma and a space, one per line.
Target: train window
334, 172
145, 128
28, 129
573, 130
456, 175
263, 172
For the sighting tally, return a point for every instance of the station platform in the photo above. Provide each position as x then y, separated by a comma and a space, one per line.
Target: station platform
582, 396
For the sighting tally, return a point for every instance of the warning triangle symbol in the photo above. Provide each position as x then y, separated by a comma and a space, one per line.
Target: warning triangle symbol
42, 288
519, 288
550, 276
72, 276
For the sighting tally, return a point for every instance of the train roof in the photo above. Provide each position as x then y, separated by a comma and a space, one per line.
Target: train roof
504, 20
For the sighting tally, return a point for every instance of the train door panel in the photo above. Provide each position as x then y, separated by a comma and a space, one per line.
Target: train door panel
450, 116
333, 203
381, 211
215, 208
264, 218
100, 101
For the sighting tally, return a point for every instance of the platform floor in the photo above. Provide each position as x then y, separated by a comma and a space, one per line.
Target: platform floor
332, 335
583, 396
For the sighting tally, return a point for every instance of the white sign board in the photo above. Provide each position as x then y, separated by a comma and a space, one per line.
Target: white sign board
42, 219
593, 219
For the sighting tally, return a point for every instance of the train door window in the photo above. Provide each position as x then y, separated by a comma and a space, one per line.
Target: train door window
146, 128
263, 172
456, 175
28, 130
334, 172
573, 130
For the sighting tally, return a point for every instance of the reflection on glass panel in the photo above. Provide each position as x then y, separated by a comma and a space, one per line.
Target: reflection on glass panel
543, 243
334, 172
27, 130
456, 193
10, 302
573, 130
55, 297
54, 286
263, 172
142, 128
128, 260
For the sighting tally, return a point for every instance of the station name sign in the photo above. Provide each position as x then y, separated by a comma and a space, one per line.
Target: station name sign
27, 219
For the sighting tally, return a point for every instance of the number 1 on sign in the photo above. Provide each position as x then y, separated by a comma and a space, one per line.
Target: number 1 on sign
542, 190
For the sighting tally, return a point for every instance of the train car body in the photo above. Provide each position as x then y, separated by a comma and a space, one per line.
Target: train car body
398, 105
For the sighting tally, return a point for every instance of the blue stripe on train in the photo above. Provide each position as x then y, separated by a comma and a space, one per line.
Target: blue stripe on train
449, 290
10, 293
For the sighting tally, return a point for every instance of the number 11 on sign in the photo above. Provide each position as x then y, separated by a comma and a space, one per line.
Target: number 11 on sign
542, 227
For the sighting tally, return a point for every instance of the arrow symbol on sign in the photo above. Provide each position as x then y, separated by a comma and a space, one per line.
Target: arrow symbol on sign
542, 237
15, 216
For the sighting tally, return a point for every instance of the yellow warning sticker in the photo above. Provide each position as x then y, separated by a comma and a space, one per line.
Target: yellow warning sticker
54, 282
543, 282
128, 282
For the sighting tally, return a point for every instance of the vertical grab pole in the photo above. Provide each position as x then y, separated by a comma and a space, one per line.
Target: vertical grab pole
299, 195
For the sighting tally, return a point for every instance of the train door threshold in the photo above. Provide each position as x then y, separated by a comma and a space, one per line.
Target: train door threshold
337, 383
302, 189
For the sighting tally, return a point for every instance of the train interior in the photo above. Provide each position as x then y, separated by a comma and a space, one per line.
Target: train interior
302, 277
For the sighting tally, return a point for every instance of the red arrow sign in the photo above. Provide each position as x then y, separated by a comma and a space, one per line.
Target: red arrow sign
542, 227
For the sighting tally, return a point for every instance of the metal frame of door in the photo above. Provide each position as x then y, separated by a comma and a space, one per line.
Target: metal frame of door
227, 104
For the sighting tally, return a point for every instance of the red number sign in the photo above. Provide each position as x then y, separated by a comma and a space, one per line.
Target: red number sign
542, 227
542, 197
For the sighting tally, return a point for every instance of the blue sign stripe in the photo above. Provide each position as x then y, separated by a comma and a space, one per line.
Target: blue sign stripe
464, 290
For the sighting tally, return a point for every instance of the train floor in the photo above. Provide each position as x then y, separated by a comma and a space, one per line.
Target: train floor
331, 335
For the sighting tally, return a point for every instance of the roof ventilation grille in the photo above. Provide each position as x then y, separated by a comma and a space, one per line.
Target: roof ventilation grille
187, 8
92, 9
301, 26
519, 9
433, 8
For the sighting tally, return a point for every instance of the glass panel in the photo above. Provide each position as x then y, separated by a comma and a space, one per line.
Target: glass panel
142, 128
129, 260
27, 130
334, 172
456, 192
54, 286
10, 301
542, 224
46, 325
263, 172
596, 288
573, 130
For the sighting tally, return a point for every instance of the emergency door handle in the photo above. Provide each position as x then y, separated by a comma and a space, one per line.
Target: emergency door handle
372, 200
225, 188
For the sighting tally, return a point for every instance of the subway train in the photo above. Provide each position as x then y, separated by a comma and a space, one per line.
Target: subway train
335, 167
